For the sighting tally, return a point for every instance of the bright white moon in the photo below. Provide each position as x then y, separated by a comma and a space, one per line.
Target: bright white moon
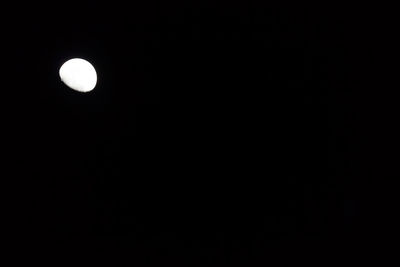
78, 74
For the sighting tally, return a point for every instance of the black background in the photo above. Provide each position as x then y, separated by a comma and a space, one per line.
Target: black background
218, 133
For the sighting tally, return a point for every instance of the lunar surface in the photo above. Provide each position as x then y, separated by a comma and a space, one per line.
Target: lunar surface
78, 74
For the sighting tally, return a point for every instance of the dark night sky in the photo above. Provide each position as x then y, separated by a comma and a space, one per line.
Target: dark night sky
217, 134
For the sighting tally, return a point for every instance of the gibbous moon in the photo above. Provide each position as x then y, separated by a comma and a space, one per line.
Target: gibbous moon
78, 74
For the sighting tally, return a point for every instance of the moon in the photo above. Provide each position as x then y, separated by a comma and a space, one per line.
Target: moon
78, 74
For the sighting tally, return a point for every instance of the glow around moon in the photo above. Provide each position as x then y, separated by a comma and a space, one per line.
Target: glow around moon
78, 74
